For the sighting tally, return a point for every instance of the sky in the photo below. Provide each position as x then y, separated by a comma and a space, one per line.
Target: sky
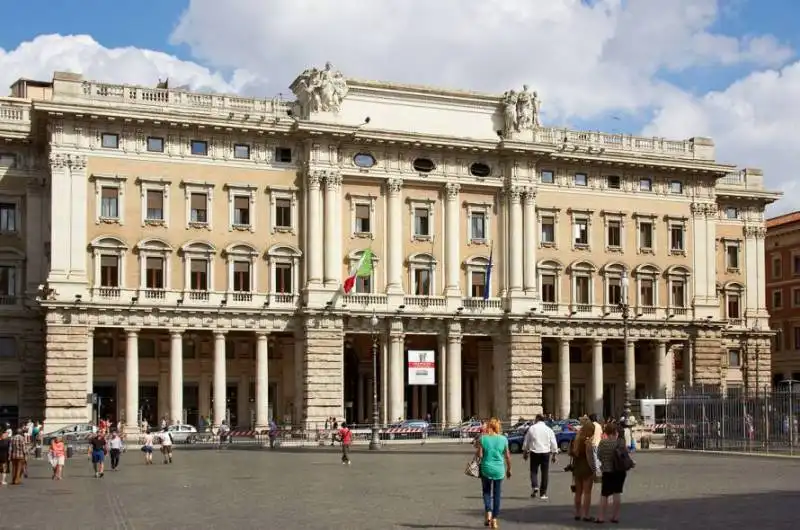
727, 69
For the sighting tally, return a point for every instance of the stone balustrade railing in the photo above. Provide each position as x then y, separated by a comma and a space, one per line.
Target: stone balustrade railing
615, 142
15, 116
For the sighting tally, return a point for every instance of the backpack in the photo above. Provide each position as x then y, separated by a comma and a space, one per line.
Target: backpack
623, 460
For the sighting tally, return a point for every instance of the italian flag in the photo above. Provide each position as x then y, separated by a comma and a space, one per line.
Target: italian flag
362, 269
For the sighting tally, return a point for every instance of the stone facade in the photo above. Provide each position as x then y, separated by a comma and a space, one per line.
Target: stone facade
523, 367
708, 353
66, 375
323, 368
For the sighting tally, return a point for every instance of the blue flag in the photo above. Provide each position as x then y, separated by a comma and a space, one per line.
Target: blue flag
487, 287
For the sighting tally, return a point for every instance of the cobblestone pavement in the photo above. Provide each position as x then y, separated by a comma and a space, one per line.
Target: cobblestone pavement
401, 488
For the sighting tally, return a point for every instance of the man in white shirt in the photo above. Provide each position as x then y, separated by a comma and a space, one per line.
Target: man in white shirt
540, 442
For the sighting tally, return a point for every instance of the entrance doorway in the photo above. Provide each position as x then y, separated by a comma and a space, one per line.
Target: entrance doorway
231, 404
106, 406
148, 404
609, 401
191, 404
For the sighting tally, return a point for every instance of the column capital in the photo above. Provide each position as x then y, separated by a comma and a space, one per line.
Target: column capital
452, 190
132, 332
262, 335
89, 332
314, 178
393, 186
514, 193
219, 334
597, 341
333, 180
529, 196
563, 342
454, 330
176, 333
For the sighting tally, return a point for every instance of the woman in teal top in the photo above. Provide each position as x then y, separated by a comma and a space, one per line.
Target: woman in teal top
495, 466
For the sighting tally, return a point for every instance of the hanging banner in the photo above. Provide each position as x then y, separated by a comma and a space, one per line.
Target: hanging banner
421, 367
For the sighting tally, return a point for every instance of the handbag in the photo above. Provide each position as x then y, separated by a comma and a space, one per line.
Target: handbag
623, 460
473, 468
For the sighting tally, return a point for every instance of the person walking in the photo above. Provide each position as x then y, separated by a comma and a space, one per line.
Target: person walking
58, 457
5, 457
346, 437
495, 466
613, 464
115, 450
18, 456
98, 448
166, 446
147, 448
541, 447
583, 470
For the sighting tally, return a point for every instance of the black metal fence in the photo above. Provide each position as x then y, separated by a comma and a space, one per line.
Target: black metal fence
711, 419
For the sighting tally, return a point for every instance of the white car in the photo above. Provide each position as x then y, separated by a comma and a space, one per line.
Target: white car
182, 434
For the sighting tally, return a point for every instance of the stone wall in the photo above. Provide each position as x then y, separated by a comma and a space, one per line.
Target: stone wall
323, 369
524, 375
707, 359
66, 365
758, 364
25, 366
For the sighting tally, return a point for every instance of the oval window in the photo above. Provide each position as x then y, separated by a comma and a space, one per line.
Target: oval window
424, 165
479, 169
364, 160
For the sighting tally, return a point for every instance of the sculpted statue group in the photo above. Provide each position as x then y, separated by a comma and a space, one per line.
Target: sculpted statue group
322, 90
520, 111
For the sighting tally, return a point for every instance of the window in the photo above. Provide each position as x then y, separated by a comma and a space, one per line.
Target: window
548, 230
614, 182
241, 151
646, 236
614, 234
796, 265
678, 294
109, 141
155, 144
581, 179
362, 219
283, 155
645, 185
732, 256
580, 229
8, 217
283, 213
477, 226
583, 290
199, 205
155, 205
109, 202
154, 273
777, 268
422, 222
797, 338
796, 297
547, 289
8, 284
777, 299
199, 147
676, 187
479, 169
422, 282
477, 284
547, 177
734, 358
109, 271
647, 292
733, 306
423, 165
283, 278
731, 213
241, 211
676, 242
241, 276
364, 160
198, 274
614, 291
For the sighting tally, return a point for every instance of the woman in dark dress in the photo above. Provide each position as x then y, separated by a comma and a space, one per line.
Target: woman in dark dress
583, 471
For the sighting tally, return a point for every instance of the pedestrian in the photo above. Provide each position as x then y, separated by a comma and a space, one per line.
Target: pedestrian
5, 457
598, 435
583, 471
541, 446
334, 430
166, 446
147, 447
57, 455
18, 457
115, 449
614, 472
273, 433
495, 465
346, 437
98, 448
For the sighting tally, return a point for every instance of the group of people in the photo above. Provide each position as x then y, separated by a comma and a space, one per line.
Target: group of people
598, 454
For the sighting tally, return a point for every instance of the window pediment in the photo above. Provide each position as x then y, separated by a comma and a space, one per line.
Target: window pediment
582, 266
647, 269
285, 251
550, 265
153, 245
199, 248
422, 258
108, 243
242, 250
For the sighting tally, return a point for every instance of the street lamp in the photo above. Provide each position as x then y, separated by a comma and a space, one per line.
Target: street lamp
625, 308
375, 439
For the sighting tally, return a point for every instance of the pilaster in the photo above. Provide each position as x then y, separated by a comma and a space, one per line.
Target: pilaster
396, 387
523, 368
704, 219
323, 388
333, 229
454, 373
314, 251
394, 224
66, 380
707, 357
452, 241
530, 232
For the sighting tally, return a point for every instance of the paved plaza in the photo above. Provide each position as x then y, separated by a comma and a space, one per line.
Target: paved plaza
403, 487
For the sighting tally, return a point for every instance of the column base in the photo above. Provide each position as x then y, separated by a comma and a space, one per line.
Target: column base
707, 309
56, 418
261, 428
518, 302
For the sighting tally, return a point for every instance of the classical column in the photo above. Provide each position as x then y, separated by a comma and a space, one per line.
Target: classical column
89, 373
761, 234
243, 414
362, 398
262, 381
630, 367
132, 382
299, 380
333, 229
597, 378
712, 215
516, 239
220, 381
564, 379
314, 217
394, 215
452, 240
176, 377
454, 413
396, 379
442, 374
664, 368
530, 238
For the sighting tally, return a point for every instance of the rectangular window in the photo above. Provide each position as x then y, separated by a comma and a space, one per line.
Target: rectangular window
777, 268
109, 271
477, 284
645, 185
548, 290
796, 265
548, 230
283, 278
283, 213
647, 292
199, 147
732, 257
646, 236
363, 219
614, 182
777, 299
8, 281
676, 187
241, 211
422, 222
155, 205
109, 140
283, 155
582, 290
422, 282
614, 234
796, 297
477, 223
734, 358
154, 273
676, 238
155, 144
199, 205
678, 293
614, 291
581, 232
8, 217
241, 151
198, 275
581, 179
363, 284
241, 276
733, 306
797, 338
731, 213
547, 177
109, 202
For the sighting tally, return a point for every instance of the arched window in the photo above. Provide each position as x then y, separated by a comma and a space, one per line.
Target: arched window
11, 269
241, 262
198, 266
613, 292
422, 274
550, 272
733, 293
647, 288
678, 284
479, 278
582, 275
284, 272
108, 254
154, 267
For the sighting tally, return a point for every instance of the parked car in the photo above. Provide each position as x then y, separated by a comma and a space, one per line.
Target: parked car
564, 437
408, 429
71, 433
183, 434
468, 429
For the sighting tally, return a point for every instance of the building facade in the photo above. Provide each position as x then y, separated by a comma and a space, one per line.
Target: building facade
782, 268
178, 254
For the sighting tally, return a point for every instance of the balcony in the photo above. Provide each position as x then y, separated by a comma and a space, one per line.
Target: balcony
15, 117
736, 322
8, 299
479, 304
549, 307
154, 294
283, 299
418, 302
242, 297
199, 296
625, 143
109, 293
364, 299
